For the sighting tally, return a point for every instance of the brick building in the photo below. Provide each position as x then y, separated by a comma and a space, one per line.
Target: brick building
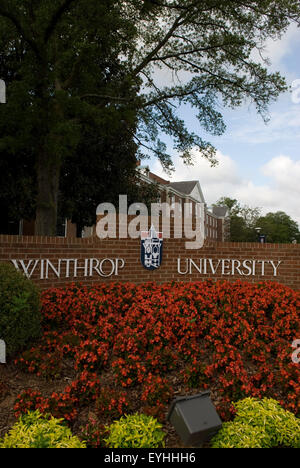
189, 194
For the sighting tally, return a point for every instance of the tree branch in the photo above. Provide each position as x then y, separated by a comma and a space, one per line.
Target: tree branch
166, 97
56, 17
13, 18
164, 41
100, 96
193, 51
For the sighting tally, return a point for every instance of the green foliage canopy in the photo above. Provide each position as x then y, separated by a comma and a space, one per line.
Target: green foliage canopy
277, 227
71, 61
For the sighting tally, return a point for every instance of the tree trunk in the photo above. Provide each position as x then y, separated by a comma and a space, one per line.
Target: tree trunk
48, 185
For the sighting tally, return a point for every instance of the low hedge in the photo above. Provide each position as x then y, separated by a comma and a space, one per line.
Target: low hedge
35, 430
259, 424
135, 431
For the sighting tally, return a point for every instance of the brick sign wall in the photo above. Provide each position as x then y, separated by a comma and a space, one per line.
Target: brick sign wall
56, 262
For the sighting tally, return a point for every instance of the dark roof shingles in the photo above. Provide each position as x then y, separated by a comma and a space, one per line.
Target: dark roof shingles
184, 187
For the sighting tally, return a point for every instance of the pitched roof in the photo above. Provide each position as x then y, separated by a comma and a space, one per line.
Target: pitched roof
220, 211
158, 179
184, 187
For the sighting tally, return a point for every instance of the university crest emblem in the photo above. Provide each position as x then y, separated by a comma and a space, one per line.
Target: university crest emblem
151, 249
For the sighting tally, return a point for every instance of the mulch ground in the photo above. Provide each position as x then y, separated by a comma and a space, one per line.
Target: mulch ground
13, 382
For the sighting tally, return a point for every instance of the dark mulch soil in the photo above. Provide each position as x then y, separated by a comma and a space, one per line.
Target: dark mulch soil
13, 382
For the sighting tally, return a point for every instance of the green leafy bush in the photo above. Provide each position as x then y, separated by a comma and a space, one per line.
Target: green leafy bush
20, 317
259, 424
135, 431
240, 435
35, 430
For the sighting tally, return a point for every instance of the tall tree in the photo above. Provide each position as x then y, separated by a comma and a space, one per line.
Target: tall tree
72, 60
54, 57
18, 189
243, 220
279, 228
83, 186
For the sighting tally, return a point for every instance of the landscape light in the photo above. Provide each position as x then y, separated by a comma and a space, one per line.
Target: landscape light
2, 352
262, 239
195, 419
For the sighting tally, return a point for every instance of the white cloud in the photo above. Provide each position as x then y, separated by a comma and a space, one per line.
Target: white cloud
164, 77
227, 168
281, 193
277, 50
283, 126
285, 174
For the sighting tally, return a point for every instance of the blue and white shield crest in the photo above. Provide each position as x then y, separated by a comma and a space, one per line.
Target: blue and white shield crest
151, 249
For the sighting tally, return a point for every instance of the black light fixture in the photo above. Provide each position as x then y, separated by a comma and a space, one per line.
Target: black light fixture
261, 238
195, 419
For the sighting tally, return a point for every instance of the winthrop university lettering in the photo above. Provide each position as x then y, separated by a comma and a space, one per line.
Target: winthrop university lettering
107, 267
70, 268
226, 267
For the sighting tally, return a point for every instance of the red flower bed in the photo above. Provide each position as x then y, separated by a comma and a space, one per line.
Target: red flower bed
235, 339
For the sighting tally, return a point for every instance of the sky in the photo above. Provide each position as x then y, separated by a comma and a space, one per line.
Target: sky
259, 164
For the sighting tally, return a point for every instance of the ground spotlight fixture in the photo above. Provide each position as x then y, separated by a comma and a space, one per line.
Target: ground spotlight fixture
195, 419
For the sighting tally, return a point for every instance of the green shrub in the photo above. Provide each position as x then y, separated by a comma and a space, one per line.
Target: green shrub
135, 431
20, 318
282, 427
259, 424
239, 435
35, 430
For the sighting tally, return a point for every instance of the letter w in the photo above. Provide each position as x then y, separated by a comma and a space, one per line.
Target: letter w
26, 268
